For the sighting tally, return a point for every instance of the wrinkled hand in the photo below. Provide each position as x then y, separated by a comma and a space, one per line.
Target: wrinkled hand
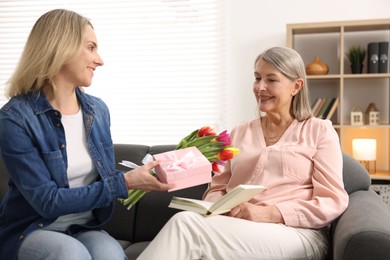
141, 179
249, 211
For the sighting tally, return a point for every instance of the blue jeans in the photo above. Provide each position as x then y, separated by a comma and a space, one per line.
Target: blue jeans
94, 244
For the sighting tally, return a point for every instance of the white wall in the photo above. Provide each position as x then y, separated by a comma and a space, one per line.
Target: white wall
255, 25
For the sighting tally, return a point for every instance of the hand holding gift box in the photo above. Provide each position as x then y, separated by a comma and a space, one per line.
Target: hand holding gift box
214, 148
184, 167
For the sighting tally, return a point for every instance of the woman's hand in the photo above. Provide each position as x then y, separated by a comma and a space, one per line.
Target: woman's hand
249, 211
141, 179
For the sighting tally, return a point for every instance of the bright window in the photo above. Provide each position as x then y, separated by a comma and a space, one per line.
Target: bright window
164, 62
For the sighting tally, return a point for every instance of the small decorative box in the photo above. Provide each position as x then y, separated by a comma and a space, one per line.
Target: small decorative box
184, 167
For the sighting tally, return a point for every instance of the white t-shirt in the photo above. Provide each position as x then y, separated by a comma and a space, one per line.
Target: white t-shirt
80, 166
80, 170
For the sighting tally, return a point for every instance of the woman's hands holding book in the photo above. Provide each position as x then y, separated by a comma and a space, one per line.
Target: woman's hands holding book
249, 211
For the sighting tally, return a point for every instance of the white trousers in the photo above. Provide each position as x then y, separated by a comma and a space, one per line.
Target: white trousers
189, 235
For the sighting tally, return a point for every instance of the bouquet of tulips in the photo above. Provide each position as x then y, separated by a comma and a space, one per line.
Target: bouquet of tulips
215, 147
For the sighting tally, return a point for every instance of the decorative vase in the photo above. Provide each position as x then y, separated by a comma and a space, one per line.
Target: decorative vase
317, 67
356, 68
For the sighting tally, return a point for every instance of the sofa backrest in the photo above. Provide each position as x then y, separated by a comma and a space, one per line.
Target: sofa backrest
355, 176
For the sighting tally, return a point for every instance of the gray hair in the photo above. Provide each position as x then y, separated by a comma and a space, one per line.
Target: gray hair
288, 62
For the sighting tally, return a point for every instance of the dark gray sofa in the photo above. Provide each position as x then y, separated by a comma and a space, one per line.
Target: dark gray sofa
362, 232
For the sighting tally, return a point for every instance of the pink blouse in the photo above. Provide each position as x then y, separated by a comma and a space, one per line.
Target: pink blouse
302, 172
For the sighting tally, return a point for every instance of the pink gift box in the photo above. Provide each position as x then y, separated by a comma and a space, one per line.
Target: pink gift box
184, 167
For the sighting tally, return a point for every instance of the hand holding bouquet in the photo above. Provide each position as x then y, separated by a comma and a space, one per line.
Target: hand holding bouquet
215, 147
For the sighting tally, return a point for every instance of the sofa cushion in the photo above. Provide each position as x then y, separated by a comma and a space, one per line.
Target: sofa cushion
134, 250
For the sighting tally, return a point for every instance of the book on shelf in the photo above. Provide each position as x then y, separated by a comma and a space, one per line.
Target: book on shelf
327, 108
240, 194
317, 109
383, 58
332, 109
324, 107
373, 57
316, 104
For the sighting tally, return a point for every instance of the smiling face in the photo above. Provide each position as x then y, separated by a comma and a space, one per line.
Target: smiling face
79, 71
273, 91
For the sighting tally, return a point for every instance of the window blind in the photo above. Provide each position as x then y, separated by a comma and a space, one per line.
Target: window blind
164, 62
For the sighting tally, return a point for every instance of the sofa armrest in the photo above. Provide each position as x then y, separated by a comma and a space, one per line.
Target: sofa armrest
363, 230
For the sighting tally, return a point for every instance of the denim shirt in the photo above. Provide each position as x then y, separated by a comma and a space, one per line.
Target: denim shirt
33, 148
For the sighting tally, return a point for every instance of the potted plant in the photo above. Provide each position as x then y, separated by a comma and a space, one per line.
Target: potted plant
356, 55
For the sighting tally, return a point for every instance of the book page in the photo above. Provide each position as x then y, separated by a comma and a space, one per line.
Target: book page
192, 203
238, 195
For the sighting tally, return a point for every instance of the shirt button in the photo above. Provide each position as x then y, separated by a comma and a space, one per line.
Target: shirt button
62, 146
55, 113
58, 124
40, 225
21, 237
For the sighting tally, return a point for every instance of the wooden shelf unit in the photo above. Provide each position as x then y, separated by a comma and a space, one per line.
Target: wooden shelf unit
330, 41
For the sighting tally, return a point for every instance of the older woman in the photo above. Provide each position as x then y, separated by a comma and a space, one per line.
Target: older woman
295, 156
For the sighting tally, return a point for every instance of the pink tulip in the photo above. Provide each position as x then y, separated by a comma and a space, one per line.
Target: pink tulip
224, 138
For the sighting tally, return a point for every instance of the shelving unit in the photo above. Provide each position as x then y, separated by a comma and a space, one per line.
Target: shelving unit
330, 41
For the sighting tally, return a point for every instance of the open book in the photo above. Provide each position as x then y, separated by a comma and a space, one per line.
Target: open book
241, 193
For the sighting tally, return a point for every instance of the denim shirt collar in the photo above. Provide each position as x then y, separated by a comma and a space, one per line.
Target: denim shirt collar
40, 104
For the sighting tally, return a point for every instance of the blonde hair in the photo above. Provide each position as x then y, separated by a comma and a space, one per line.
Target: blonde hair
288, 62
55, 39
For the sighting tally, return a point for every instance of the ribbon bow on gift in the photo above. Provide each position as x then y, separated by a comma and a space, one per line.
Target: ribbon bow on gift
148, 158
176, 164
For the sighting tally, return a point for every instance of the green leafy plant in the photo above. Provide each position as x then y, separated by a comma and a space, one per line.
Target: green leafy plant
356, 54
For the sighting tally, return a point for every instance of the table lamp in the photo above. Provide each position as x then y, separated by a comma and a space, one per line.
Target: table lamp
364, 150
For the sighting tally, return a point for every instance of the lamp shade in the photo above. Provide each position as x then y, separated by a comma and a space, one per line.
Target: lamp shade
364, 149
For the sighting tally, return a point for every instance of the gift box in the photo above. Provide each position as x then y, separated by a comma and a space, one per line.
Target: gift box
184, 167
